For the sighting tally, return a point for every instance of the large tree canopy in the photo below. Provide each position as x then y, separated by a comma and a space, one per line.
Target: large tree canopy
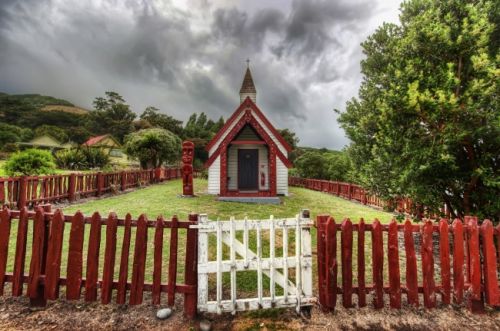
153, 147
112, 115
426, 123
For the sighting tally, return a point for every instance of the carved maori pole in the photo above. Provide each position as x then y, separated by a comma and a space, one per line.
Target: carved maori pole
187, 168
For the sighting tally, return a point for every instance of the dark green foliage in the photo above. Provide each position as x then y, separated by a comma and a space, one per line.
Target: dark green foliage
290, 137
112, 115
30, 162
323, 164
82, 158
73, 159
426, 122
52, 131
200, 131
159, 120
95, 158
153, 147
12, 134
78, 134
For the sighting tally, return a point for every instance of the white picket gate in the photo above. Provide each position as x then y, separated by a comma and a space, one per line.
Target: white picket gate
297, 290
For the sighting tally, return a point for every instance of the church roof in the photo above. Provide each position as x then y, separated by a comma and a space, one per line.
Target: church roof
248, 86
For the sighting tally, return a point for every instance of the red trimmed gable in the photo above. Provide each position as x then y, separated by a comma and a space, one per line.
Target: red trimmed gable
247, 118
248, 103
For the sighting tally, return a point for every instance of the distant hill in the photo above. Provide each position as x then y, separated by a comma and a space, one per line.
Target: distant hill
67, 109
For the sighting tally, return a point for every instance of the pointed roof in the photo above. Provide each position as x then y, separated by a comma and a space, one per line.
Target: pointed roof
248, 103
248, 86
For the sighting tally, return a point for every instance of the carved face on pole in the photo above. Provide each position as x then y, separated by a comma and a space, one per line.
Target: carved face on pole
187, 152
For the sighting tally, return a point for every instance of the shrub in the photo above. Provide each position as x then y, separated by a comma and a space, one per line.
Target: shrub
96, 158
30, 162
73, 159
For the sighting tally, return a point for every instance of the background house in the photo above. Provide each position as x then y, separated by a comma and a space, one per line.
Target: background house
44, 142
111, 147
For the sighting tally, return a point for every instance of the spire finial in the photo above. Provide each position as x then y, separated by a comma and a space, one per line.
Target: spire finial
248, 63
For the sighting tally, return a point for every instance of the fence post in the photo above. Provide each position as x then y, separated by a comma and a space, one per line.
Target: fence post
71, 187
158, 175
202, 260
123, 180
349, 192
475, 301
322, 263
100, 183
23, 191
39, 299
191, 270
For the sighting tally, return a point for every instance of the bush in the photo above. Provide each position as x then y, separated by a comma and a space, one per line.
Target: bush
73, 159
30, 162
96, 158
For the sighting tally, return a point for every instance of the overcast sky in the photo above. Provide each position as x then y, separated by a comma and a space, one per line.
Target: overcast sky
189, 56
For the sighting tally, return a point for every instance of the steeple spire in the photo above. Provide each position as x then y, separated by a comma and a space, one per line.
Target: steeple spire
248, 87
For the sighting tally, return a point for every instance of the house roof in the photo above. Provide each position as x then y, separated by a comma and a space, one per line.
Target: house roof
45, 140
96, 140
248, 103
247, 119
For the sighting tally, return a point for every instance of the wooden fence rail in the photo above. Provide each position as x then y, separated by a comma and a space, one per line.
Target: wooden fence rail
467, 262
44, 278
30, 191
355, 192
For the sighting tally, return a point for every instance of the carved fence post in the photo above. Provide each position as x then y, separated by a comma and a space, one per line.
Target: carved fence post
187, 168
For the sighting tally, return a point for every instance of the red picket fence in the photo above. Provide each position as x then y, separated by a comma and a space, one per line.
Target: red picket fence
355, 192
44, 278
34, 190
467, 263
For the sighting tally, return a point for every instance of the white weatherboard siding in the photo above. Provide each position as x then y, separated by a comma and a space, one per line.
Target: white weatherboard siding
281, 177
221, 138
232, 165
214, 177
269, 132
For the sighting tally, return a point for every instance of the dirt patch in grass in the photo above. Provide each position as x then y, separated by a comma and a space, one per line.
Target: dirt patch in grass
15, 314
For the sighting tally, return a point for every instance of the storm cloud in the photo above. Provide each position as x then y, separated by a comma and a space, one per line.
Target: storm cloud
189, 56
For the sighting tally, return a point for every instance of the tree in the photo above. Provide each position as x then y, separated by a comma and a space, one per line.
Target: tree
339, 166
12, 134
53, 131
30, 162
426, 122
290, 137
159, 120
112, 114
312, 164
153, 147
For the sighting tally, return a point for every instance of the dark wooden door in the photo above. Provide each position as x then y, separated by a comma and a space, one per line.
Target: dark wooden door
248, 169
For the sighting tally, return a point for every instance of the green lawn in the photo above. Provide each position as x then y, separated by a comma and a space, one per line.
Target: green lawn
163, 199
2, 172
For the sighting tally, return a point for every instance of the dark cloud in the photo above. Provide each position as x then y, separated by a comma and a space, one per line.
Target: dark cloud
304, 55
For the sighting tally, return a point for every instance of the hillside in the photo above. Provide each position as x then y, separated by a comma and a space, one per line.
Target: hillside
38, 101
66, 109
